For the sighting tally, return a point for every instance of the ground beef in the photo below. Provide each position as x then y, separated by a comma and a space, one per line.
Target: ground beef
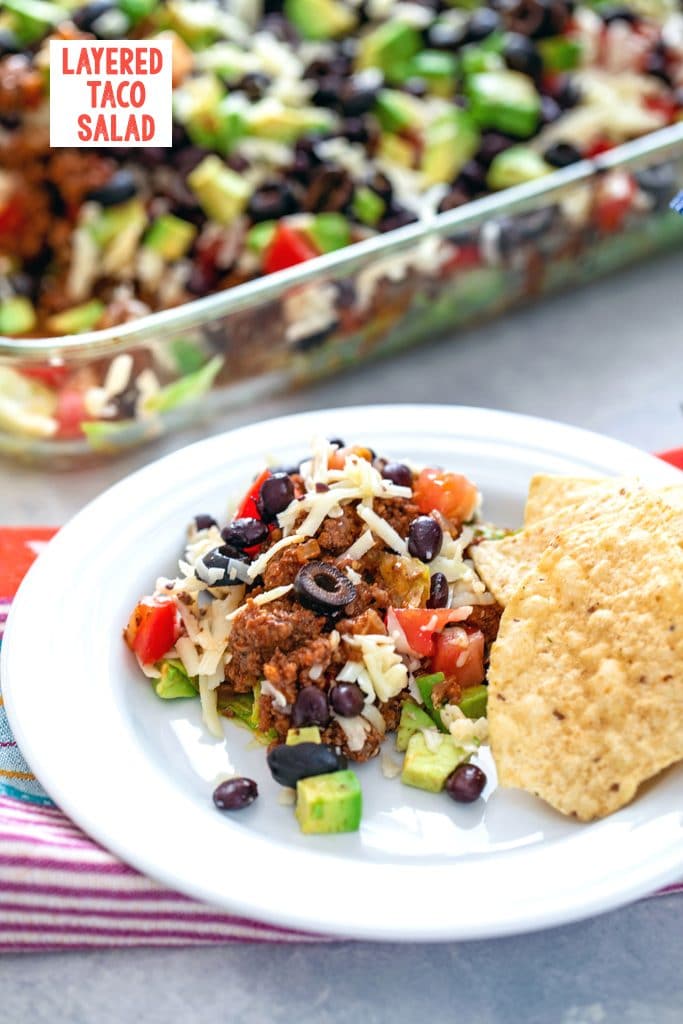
271, 717
336, 737
283, 567
285, 670
21, 85
447, 692
367, 623
368, 596
76, 172
486, 617
398, 512
336, 535
260, 631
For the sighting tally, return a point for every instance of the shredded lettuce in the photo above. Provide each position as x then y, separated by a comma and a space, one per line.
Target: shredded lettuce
174, 681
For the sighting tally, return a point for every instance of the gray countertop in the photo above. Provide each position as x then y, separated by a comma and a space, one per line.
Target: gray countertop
610, 358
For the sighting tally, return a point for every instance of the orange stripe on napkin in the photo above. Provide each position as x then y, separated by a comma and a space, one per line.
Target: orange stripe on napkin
19, 548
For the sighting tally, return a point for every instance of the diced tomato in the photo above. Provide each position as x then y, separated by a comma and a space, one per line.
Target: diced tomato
601, 146
71, 413
459, 654
12, 216
419, 626
51, 376
287, 248
664, 105
249, 509
337, 459
152, 630
451, 494
465, 257
614, 199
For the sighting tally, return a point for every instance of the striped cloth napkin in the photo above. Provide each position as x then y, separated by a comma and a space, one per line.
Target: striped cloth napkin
59, 889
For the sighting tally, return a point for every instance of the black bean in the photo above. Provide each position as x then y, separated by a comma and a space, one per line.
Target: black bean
255, 84
380, 184
204, 521
347, 699
492, 143
235, 794
481, 24
323, 587
310, 708
424, 538
438, 591
396, 217
415, 87
223, 559
550, 110
355, 129
446, 35
520, 54
567, 92
245, 532
275, 495
120, 187
398, 473
271, 201
282, 29
288, 764
618, 12
328, 91
659, 182
537, 18
9, 43
358, 93
337, 441
466, 783
84, 17
562, 154
186, 159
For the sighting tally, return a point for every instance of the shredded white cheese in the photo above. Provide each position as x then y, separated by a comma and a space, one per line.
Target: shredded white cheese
355, 730
360, 547
265, 598
384, 665
391, 768
381, 528
209, 702
374, 716
271, 691
259, 564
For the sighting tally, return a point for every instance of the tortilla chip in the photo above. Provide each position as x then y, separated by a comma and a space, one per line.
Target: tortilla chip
586, 676
673, 496
551, 495
504, 564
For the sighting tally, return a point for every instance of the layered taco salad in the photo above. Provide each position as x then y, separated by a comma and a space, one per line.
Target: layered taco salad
356, 607
337, 606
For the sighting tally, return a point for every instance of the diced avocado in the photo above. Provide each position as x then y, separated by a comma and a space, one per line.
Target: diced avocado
189, 355
113, 220
320, 19
438, 69
223, 193
413, 719
307, 734
185, 389
174, 681
389, 47
476, 59
33, 18
328, 804
138, 9
270, 119
170, 236
450, 141
425, 685
260, 236
367, 206
396, 110
212, 119
560, 53
17, 315
77, 319
429, 769
516, 165
395, 150
473, 701
329, 231
505, 100
196, 22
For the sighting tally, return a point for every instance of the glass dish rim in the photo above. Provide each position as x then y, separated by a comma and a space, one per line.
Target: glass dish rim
666, 142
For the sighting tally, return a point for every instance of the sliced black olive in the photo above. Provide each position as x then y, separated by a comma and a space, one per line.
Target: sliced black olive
322, 587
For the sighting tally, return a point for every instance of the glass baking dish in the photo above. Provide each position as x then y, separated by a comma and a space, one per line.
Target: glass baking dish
334, 311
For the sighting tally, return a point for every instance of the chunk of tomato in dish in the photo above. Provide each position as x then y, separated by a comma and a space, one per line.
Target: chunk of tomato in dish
459, 654
451, 494
152, 630
418, 627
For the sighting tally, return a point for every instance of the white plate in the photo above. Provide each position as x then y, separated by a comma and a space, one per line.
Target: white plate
137, 773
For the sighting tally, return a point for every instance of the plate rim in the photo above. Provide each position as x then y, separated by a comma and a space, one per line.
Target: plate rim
640, 883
